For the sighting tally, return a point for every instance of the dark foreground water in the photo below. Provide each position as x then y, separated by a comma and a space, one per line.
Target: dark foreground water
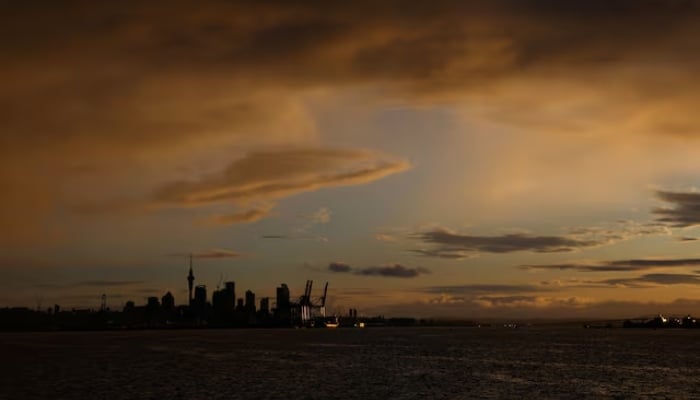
380, 363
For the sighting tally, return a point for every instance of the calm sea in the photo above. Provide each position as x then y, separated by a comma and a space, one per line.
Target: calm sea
373, 363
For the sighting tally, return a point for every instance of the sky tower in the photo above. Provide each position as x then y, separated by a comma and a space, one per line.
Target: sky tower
190, 281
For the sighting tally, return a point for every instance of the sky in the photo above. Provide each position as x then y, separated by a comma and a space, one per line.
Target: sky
509, 159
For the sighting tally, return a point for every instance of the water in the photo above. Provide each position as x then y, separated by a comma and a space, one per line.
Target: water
377, 363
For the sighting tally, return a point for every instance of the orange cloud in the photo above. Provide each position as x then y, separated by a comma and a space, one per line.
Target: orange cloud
167, 86
271, 175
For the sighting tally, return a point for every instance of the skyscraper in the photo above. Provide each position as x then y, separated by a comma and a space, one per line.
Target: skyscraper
283, 297
250, 301
230, 296
283, 309
167, 302
200, 296
265, 305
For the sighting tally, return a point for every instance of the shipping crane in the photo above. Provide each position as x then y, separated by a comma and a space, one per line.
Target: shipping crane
309, 309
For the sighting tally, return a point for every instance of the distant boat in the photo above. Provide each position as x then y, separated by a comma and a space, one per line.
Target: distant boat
326, 322
331, 322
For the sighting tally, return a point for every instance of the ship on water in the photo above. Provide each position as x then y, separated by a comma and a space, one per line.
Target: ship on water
329, 322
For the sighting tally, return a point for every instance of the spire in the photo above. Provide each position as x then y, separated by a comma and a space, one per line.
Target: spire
190, 280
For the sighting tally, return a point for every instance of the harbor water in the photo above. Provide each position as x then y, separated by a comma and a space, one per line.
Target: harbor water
373, 363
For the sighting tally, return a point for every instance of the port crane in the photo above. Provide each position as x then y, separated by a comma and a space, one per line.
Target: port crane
309, 309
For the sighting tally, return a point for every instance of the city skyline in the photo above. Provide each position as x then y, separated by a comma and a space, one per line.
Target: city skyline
501, 159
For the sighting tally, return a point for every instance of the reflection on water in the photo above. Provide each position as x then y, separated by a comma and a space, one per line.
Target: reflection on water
436, 363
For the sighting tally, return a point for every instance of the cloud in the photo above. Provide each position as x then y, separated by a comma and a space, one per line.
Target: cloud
271, 175
243, 217
265, 177
451, 244
645, 281
619, 265
386, 271
446, 299
339, 267
527, 307
685, 209
654, 280
623, 230
295, 237
301, 232
444, 252
474, 289
392, 271
321, 216
210, 254
383, 237
529, 301
120, 95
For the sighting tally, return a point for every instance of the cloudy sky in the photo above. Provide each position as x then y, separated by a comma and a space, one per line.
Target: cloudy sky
444, 158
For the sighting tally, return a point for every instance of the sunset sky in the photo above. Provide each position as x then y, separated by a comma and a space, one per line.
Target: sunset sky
442, 158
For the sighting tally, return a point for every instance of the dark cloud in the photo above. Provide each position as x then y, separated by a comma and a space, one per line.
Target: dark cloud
361, 292
295, 237
213, 254
392, 271
386, 271
685, 209
447, 253
619, 265
144, 81
454, 245
654, 279
339, 267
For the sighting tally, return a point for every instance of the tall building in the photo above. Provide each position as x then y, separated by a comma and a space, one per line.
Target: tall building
265, 305
230, 295
283, 311
168, 301
190, 281
224, 300
283, 297
153, 303
250, 301
200, 296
